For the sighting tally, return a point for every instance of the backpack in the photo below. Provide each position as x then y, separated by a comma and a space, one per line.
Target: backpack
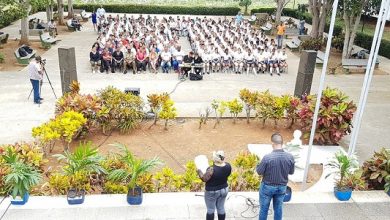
195, 77
22, 52
27, 49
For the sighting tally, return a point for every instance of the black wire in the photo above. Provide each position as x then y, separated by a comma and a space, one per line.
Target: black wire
104, 141
177, 84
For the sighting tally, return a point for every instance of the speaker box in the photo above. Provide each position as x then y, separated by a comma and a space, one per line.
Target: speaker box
305, 72
68, 70
134, 91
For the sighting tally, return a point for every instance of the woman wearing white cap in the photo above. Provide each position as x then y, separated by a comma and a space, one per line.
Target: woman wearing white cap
216, 177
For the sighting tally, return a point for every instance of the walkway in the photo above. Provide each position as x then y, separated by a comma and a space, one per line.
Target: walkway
18, 115
181, 206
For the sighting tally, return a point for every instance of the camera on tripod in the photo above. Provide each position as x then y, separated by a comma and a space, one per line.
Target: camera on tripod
43, 62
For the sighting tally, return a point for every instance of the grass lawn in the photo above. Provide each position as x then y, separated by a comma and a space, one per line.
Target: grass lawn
219, 3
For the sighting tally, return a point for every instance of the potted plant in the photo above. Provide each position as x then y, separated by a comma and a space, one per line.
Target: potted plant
132, 170
343, 167
20, 180
79, 166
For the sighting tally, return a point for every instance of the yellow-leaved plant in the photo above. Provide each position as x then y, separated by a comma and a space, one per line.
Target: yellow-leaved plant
168, 112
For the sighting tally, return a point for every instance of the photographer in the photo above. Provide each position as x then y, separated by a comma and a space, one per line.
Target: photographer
36, 74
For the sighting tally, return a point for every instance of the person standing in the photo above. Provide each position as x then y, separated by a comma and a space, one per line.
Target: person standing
36, 74
216, 185
281, 29
94, 20
302, 26
275, 168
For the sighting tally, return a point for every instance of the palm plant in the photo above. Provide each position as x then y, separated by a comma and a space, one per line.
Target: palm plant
134, 167
22, 178
342, 166
84, 158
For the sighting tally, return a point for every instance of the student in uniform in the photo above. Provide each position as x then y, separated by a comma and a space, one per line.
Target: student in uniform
282, 61
216, 61
238, 61
250, 62
273, 63
226, 60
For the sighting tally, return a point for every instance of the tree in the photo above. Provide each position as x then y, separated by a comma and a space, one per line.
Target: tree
352, 12
168, 112
21, 8
49, 9
372, 8
280, 4
319, 9
70, 8
60, 8
245, 3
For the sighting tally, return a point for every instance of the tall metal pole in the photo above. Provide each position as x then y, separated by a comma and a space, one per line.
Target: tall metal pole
380, 26
319, 94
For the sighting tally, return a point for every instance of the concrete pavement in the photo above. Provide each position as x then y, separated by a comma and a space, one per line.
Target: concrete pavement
18, 115
180, 206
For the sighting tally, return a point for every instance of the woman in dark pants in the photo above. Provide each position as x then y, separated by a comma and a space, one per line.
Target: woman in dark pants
216, 185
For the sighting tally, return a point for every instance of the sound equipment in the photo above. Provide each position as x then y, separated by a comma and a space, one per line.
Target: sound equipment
195, 77
132, 90
305, 73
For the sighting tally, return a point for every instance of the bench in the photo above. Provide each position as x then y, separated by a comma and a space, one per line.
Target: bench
33, 32
261, 18
85, 15
24, 60
356, 64
70, 26
267, 28
291, 32
47, 40
320, 58
294, 44
4, 38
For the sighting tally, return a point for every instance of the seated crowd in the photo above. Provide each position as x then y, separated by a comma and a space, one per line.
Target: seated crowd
128, 43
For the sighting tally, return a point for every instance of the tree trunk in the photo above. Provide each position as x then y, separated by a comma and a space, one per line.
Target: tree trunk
321, 26
316, 18
279, 9
351, 26
60, 6
49, 12
70, 8
24, 30
246, 10
347, 25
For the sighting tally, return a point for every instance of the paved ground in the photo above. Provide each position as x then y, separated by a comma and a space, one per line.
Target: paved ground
180, 206
18, 115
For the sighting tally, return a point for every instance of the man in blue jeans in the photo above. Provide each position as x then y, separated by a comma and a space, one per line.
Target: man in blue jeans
275, 168
36, 75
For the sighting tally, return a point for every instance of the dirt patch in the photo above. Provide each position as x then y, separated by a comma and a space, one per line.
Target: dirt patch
10, 63
183, 141
8, 49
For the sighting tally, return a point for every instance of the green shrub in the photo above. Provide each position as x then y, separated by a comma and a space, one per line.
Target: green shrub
312, 44
154, 9
376, 170
365, 41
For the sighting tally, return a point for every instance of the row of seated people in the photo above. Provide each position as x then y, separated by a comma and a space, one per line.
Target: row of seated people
139, 60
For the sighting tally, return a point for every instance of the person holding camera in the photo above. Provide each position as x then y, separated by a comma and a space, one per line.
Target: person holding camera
36, 75
216, 185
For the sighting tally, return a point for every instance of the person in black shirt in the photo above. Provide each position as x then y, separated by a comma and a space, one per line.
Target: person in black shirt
117, 60
187, 60
198, 61
94, 58
216, 185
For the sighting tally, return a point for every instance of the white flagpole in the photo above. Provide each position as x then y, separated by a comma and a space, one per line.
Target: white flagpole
383, 15
319, 94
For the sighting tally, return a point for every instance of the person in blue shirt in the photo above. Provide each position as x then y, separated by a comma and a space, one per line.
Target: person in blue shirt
239, 18
94, 20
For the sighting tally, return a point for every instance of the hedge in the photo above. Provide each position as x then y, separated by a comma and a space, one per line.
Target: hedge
365, 41
294, 13
154, 9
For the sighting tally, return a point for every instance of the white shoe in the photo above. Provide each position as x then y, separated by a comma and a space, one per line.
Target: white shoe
93, 71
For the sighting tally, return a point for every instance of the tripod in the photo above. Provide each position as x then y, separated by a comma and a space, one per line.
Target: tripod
40, 84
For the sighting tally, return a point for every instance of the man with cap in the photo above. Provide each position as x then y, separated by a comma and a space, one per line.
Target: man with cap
36, 74
275, 168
